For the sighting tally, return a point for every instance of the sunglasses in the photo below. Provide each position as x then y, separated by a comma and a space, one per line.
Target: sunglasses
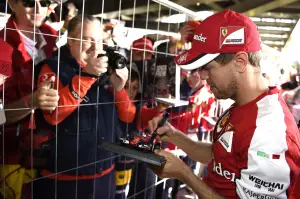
31, 3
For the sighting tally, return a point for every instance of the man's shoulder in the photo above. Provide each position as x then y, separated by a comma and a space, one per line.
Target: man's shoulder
5, 45
274, 122
46, 29
272, 106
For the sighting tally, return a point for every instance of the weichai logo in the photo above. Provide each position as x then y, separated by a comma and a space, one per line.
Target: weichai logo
271, 185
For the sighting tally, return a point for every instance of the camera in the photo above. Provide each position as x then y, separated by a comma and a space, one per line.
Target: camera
115, 59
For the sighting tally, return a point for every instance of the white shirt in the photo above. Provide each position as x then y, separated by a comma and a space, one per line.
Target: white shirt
36, 54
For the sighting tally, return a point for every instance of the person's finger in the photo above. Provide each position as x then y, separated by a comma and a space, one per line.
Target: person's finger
162, 130
162, 153
102, 69
156, 169
103, 59
150, 126
122, 73
47, 109
91, 53
157, 152
47, 84
49, 92
48, 99
153, 123
48, 106
101, 53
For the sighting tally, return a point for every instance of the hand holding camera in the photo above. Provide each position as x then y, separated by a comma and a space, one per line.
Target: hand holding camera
118, 78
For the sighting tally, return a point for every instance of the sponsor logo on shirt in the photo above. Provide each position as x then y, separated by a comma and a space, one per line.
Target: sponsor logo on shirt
226, 140
200, 38
223, 125
75, 95
224, 173
252, 194
270, 185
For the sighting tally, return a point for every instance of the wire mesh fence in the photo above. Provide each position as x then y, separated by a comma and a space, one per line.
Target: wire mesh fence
59, 42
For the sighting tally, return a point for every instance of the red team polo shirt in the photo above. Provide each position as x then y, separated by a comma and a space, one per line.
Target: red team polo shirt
256, 151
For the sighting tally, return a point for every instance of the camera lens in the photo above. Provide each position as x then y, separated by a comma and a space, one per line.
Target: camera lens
120, 62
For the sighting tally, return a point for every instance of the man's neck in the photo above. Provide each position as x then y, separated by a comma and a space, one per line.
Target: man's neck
250, 90
26, 30
198, 87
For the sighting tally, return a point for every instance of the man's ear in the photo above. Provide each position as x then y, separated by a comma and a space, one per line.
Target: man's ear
241, 61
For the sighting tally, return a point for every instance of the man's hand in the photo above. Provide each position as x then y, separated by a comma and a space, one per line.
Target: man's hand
118, 78
165, 133
46, 98
173, 168
185, 31
96, 66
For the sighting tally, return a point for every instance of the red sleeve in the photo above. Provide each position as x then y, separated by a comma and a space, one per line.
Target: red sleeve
67, 101
10, 89
145, 115
126, 109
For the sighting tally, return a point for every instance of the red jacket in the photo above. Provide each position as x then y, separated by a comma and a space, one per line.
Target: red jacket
20, 85
67, 103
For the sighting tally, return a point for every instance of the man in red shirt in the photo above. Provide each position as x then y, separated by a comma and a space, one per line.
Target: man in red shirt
255, 150
32, 41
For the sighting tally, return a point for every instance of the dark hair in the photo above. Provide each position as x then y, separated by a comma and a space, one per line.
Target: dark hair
77, 20
134, 76
253, 58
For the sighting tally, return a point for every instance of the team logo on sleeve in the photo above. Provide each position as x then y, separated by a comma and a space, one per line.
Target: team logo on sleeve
44, 77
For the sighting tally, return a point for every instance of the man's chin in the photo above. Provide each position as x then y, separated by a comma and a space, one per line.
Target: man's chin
36, 24
219, 95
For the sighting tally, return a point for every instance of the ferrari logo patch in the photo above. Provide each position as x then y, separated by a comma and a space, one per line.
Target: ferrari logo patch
224, 32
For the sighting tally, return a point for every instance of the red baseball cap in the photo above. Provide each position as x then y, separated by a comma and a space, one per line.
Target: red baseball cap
224, 32
141, 45
5, 58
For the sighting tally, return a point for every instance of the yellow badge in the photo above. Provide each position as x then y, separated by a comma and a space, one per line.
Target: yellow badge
224, 31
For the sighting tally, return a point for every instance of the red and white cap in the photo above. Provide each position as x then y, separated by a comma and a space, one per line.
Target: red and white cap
142, 44
224, 32
5, 59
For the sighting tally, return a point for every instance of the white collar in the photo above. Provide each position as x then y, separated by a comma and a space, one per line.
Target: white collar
32, 43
